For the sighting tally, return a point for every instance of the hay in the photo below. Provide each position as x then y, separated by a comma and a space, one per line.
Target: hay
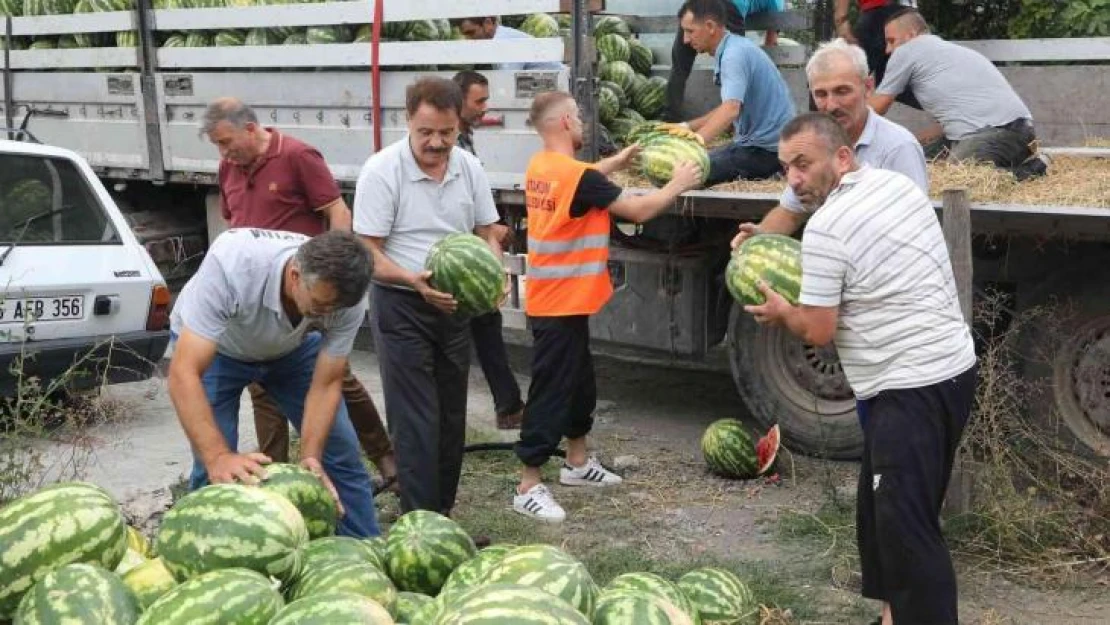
1097, 142
1071, 181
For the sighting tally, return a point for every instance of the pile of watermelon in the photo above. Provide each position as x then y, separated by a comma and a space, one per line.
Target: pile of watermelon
628, 94
255, 555
729, 452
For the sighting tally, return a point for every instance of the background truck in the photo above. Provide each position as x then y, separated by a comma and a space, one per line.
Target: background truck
130, 95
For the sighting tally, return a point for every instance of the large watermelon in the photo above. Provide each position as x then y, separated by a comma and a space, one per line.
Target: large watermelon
540, 25
613, 47
231, 596
727, 448
509, 604
653, 584
341, 548
468, 573
301, 487
425, 547
463, 265
635, 607
650, 97
127, 39
611, 24
333, 608
149, 581
360, 578
408, 605
74, 593
232, 525
608, 104
619, 72
176, 40
662, 151
719, 595
549, 569
775, 259
71, 522
13, 8
396, 31
379, 547
641, 58
622, 97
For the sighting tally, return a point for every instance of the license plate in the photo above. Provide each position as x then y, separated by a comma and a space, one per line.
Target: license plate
36, 309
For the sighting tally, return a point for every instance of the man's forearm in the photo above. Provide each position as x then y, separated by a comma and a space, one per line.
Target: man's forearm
319, 414
385, 270
609, 165
718, 120
195, 414
781, 221
339, 216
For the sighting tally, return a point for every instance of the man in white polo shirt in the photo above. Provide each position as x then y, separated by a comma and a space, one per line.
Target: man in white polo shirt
409, 196
877, 281
840, 82
282, 310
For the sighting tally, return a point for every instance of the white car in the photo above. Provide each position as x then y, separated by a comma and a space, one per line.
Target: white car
81, 301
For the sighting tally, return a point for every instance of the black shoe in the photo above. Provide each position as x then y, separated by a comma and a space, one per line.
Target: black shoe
1034, 167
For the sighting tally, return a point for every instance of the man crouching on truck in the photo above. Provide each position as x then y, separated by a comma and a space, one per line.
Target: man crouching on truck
280, 309
569, 203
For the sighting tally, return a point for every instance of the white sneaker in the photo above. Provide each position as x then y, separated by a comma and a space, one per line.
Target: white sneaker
538, 503
590, 474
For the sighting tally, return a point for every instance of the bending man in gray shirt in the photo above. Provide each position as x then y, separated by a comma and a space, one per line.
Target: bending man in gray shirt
982, 117
280, 309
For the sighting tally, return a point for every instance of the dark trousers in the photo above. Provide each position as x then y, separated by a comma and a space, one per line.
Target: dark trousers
740, 162
563, 393
485, 332
910, 438
424, 357
869, 30
682, 61
1006, 147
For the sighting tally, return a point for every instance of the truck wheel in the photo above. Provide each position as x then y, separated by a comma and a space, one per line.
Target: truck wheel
800, 387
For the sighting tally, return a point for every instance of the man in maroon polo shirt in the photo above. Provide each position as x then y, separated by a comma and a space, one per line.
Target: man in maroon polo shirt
273, 181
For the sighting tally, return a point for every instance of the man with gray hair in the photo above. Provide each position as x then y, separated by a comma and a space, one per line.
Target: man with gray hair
280, 309
271, 180
840, 83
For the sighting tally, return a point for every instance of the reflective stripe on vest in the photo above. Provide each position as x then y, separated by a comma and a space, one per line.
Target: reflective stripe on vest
566, 271
588, 242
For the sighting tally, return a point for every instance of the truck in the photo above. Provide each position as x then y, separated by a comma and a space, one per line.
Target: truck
132, 108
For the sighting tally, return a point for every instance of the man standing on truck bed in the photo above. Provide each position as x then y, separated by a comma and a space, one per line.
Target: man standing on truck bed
273, 181
280, 309
569, 205
877, 280
981, 117
755, 100
485, 330
840, 85
489, 27
409, 196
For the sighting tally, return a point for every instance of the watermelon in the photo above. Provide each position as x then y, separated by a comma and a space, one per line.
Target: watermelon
69, 522
776, 259
608, 105
345, 575
341, 548
127, 39
333, 609
13, 8
232, 525
395, 31
540, 25
509, 604
719, 595
131, 559
296, 39
430, 611
106, 6
408, 604
613, 47
619, 72
641, 58
620, 128
652, 584
468, 573
16, 43
229, 38
622, 96
231, 596
728, 450
44, 44
378, 545
635, 607
329, 34
633, 116
68, 42
463, 265
149, 581
424, 547
422, 30
78, 593
176, 40
301, 487
611, 24
198, 39
650, 97
549, 569
662, 151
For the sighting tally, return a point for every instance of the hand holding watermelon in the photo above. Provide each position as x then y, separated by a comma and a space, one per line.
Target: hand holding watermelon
687, 175
772, 312
313, 465
231, 467
445, 302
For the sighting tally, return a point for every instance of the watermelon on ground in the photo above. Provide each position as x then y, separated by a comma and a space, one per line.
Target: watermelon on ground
719, 595
727, 448
636, 607
425, 547
463, 265
345, 575
341, 548
613, 47
78, 590
549, 569
468, 573
233, 595
775, 259
70, 522
408, 604
333, 609
540, 25
149, 581
641, 58
305, 491
611, 24
653, 584
509, 604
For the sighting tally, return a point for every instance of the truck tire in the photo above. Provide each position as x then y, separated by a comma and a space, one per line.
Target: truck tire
800, 387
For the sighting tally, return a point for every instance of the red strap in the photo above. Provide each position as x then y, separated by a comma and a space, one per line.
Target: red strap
376, 75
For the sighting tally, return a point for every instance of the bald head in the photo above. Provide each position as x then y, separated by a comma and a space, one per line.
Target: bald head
550, 107
230, 110
909, 20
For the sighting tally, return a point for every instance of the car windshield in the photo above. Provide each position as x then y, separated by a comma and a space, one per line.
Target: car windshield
51, 198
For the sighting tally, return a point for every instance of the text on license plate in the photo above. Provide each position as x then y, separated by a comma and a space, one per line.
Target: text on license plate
30, 309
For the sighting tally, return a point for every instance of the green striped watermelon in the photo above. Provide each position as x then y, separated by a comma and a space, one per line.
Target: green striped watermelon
641, 58
652, 584
16, 43
425, 547
422, 30
176, 40
468, 573
68, 42
301, 487
728, 450
127, 39
509, 604
613, 47
44, 44
622, 96
396, 31
608, 105
232, 525
429, 612
463, 265
229, 38
408, 605
549, 569
633, 116
231, 596
341, 548
612, 24
13, 8
620, 128
329, 34
296, 39
619, 72
149, 581
378, 544
638, 81
775, 259
198, 39
662, 151
78, 593
106, 6
650, 97
70, 522
719, 595
540, 25
635, 607
336, 608
360, 578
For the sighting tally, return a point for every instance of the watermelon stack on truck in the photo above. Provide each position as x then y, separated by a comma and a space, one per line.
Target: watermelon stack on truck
125, 84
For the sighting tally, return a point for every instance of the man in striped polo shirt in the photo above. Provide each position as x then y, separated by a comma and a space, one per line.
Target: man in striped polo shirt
877, 280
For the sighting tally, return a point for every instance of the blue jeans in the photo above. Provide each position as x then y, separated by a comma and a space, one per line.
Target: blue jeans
287, 379
733, 162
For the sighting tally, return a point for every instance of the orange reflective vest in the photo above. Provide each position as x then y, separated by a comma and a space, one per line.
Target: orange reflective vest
568, 256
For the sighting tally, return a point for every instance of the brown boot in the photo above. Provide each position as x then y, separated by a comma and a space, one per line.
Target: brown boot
510, 421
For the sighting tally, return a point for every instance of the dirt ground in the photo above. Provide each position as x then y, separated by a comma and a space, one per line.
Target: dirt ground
792, 540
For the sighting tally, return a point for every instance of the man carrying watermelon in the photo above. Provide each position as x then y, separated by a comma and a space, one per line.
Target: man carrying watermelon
280, 309
877, 281
755, 100
569, 206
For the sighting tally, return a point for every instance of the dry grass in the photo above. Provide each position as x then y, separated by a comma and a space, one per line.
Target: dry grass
1097, 142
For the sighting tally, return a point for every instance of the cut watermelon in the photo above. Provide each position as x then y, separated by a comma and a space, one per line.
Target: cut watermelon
767, 449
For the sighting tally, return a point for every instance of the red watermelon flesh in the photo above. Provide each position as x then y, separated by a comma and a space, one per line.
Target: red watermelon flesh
767, 449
